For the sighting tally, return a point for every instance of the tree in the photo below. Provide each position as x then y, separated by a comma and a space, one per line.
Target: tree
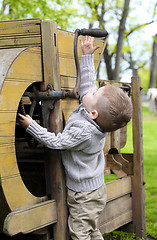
135, 63
121, 30
56, 10
153, 67
99, 9
115, 16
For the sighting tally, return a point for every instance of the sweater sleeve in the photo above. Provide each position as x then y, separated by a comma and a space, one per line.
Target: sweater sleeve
88, 77
78, 136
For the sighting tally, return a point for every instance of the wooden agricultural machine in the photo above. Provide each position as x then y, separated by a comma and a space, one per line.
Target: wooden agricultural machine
38, 77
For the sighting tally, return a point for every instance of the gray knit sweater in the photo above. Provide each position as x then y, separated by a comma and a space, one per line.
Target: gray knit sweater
81, 142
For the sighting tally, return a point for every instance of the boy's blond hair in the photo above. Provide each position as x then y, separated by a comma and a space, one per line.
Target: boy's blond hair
115, 104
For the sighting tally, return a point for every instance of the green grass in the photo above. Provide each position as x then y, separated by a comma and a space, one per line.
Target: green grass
150, 161
150, 168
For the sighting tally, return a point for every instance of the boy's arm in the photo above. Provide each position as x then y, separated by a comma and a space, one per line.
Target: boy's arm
78, 136
88, 77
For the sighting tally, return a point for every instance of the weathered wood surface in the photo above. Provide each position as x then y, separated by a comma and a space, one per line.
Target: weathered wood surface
138, 192
119, 162
118, 210
7, 56
118, 188
20, 75
116, 214
31, 219
20, 33
54, 170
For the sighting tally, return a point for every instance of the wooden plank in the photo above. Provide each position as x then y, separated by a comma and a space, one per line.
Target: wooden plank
114, 224
20, 42
118, 188
67, 82
20, 33
116, 214
138, 192
31, 219
20, 27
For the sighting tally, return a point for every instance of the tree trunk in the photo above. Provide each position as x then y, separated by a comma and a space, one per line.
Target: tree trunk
120, 39
153, 67
108, 62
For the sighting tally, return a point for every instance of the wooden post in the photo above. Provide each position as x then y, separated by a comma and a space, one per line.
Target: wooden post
54, 169
138, 195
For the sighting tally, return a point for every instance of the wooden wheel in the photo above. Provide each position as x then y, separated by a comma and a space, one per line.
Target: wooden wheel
19, 74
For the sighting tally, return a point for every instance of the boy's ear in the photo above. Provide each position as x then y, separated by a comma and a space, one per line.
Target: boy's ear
94, 114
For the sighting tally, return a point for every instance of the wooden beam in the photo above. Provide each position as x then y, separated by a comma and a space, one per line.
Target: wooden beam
31, 219
138, 192
50, 54
116, 213
119, 162
112, 163
118, 188
54, 170
20, 33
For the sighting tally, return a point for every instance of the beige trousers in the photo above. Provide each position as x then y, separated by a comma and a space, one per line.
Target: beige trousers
84, 212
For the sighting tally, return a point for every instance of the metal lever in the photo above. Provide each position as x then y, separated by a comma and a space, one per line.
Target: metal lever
94, 32
89, 32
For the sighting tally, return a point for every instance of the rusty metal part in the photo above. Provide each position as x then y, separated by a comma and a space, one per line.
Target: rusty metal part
48, 95
21, 107
77, 64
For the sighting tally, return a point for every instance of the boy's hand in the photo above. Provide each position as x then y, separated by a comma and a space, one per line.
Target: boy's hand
87, 46
24, 121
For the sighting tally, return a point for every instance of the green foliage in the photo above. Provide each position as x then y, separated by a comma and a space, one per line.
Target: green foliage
56, 10
144, 74
150, 158
126, 49
119, 235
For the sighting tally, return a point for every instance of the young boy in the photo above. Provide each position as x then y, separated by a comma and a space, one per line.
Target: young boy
81, 143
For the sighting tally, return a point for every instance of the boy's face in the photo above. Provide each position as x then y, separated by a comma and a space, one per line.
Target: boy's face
90, 100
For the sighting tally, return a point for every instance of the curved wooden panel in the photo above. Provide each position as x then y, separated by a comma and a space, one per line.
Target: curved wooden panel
18, 77
7, 56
